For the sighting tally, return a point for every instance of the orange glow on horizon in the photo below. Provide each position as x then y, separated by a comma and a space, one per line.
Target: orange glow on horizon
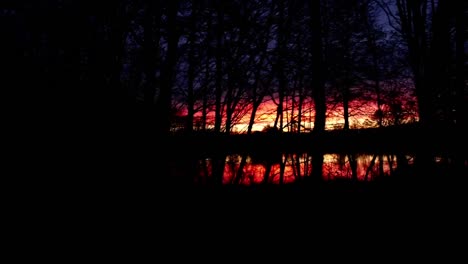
362, 114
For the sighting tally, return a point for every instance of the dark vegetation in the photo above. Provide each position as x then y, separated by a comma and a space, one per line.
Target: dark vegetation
155, 87
394, 139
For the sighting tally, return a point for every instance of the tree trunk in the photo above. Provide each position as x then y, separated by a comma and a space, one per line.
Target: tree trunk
318, 87
151, 38
167, 74
282, 168
266, 176
460, 84
219, 65
346, 107
280, 65
191, 69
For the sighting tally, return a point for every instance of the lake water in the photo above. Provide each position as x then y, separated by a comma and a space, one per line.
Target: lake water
293, 167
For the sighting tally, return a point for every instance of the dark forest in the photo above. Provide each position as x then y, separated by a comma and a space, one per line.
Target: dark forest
260, 94
213, 128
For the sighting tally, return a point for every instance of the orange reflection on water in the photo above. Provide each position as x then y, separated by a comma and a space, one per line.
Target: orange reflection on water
293, 167
340, 166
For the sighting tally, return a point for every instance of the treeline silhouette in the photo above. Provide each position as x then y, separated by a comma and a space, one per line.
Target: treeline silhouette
152, 68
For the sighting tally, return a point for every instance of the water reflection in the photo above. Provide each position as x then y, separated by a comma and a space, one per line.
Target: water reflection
288, 168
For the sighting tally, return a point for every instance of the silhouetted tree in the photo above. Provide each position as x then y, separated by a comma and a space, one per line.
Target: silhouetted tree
192, 65
318, 84
219, 63
164, 103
